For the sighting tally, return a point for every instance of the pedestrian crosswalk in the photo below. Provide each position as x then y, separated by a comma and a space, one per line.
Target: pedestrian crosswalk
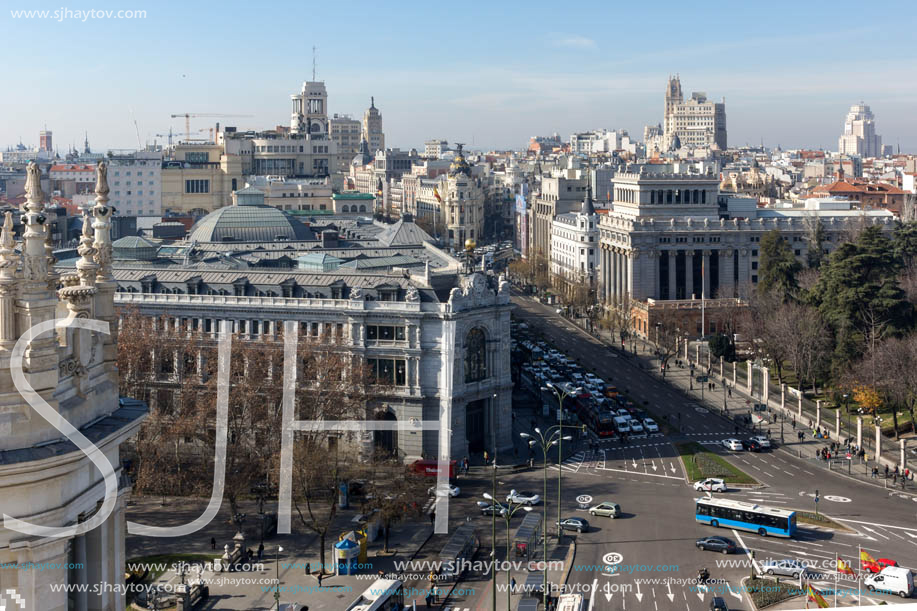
631, 460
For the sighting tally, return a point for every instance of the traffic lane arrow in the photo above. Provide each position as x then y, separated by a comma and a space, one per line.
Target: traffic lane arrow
669, 593
638, 594
736, 594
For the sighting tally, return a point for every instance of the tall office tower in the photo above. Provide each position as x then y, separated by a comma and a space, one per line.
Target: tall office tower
859, 137
372, 128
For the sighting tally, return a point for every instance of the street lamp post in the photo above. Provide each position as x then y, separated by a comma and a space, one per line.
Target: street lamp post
277, 562
545, 445
847, 409
561, 394
507, 516
493, 514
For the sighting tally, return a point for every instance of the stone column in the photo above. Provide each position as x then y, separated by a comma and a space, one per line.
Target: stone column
727, 284
613, 275
689, 274
837, 425
903, 460
697, 353
859, 431
799, 406
878, 442
817, 413
81, 570
629, 260
766, 388
98, 555
750, 373
734, 368
722, 371
782, 397
706, 275
672, 279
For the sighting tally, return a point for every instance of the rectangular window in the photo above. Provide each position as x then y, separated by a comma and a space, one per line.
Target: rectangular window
197, 186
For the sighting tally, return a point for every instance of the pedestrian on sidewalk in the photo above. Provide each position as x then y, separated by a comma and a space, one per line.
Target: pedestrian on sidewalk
875, 472
307, 569
432, 517
730, 391
512, 585
485, 457
213, 543
319, 576
260, 551
886, 471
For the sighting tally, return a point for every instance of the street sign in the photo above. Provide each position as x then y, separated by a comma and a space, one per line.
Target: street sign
584, 500
702, 379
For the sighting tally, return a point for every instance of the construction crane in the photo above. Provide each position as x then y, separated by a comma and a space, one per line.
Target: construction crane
188, 115
179, 134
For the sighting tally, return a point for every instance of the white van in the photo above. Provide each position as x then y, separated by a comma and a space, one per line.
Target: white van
622, 424
892, 580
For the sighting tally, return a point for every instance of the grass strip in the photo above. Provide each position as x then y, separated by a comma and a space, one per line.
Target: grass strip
700, 463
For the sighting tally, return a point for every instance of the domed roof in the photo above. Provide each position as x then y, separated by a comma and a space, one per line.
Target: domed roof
459, 164
249, 223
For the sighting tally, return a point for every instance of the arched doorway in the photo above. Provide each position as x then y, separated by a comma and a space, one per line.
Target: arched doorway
476, 426
385, 442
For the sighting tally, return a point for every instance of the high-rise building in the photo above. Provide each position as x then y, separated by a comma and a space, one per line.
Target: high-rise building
345, 132
434, 149
310, 109
47, 480
136, 183
44, 140
859, 137
372, 127
695, 123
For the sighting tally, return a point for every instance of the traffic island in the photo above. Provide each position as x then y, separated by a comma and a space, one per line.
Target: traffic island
820, 520
765, 592
700, 463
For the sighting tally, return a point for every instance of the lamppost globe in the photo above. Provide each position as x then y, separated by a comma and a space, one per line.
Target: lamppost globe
524, 435
488, 496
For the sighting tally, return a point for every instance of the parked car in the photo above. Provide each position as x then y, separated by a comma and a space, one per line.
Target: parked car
716, 544
650, 425
764, 441
451, 490
522, 498
578, 524
732, 444
787, 568
607, 509
713, 484
636, 428
751, 445
878, 565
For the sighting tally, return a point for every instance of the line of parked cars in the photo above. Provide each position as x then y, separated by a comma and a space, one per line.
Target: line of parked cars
758, 443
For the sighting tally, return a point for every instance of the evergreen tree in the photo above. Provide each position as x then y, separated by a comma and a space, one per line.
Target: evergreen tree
816, 251
778, 266
859, 296
904, 243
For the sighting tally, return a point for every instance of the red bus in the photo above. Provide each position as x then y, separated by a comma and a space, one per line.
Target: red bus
430, 468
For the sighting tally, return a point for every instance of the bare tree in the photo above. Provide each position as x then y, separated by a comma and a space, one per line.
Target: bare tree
395, 494
668, 334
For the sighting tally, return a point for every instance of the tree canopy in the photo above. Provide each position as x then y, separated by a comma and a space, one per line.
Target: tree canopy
778, 266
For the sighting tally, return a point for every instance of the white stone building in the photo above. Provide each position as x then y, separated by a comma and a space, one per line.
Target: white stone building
463, 204
45, 478
135, 179
372, 128
672, 236
575, 246
859, 137
434, 149
697, 123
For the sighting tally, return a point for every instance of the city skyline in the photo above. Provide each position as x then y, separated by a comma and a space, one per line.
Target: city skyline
492, 80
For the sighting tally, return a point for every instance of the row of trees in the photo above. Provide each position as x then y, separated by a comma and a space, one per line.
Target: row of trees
175, 371
845, 319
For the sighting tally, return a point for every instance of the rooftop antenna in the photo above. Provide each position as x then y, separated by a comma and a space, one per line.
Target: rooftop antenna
313, 63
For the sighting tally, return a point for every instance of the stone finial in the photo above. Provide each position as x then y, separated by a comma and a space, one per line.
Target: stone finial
34, 196
102, 225
8, 256
87, 265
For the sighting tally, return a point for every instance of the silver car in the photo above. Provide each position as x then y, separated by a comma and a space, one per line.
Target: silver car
787, 568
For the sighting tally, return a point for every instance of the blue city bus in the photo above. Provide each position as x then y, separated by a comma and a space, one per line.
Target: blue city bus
766, 521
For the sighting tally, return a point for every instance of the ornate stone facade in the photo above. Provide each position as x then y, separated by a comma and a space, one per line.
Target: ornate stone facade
46, 480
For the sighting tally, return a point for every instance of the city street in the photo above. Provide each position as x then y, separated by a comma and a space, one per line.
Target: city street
657, 529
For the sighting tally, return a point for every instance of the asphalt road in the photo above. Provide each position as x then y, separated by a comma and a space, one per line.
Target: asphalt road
654, 540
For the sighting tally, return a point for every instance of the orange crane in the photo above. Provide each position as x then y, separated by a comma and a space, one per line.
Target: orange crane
188, 115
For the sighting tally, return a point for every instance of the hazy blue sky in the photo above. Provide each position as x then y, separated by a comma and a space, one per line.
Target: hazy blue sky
494, 73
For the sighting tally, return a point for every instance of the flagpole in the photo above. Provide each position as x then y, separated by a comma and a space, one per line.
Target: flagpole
836, 576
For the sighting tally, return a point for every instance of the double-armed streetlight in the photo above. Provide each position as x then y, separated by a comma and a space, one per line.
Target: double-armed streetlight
546, 441
561, 395
507, 514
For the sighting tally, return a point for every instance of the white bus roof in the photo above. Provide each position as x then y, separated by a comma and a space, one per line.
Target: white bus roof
379, 588
570, 602
743, 506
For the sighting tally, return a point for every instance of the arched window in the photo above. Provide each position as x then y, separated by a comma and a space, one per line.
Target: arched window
362, 207
475, 356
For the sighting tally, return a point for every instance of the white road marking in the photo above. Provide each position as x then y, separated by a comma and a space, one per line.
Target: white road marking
767, 474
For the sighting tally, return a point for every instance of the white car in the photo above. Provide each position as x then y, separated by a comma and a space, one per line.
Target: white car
650, 425
453, 491
522, 498
636, 428
764, 441
732, 444
712, 484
